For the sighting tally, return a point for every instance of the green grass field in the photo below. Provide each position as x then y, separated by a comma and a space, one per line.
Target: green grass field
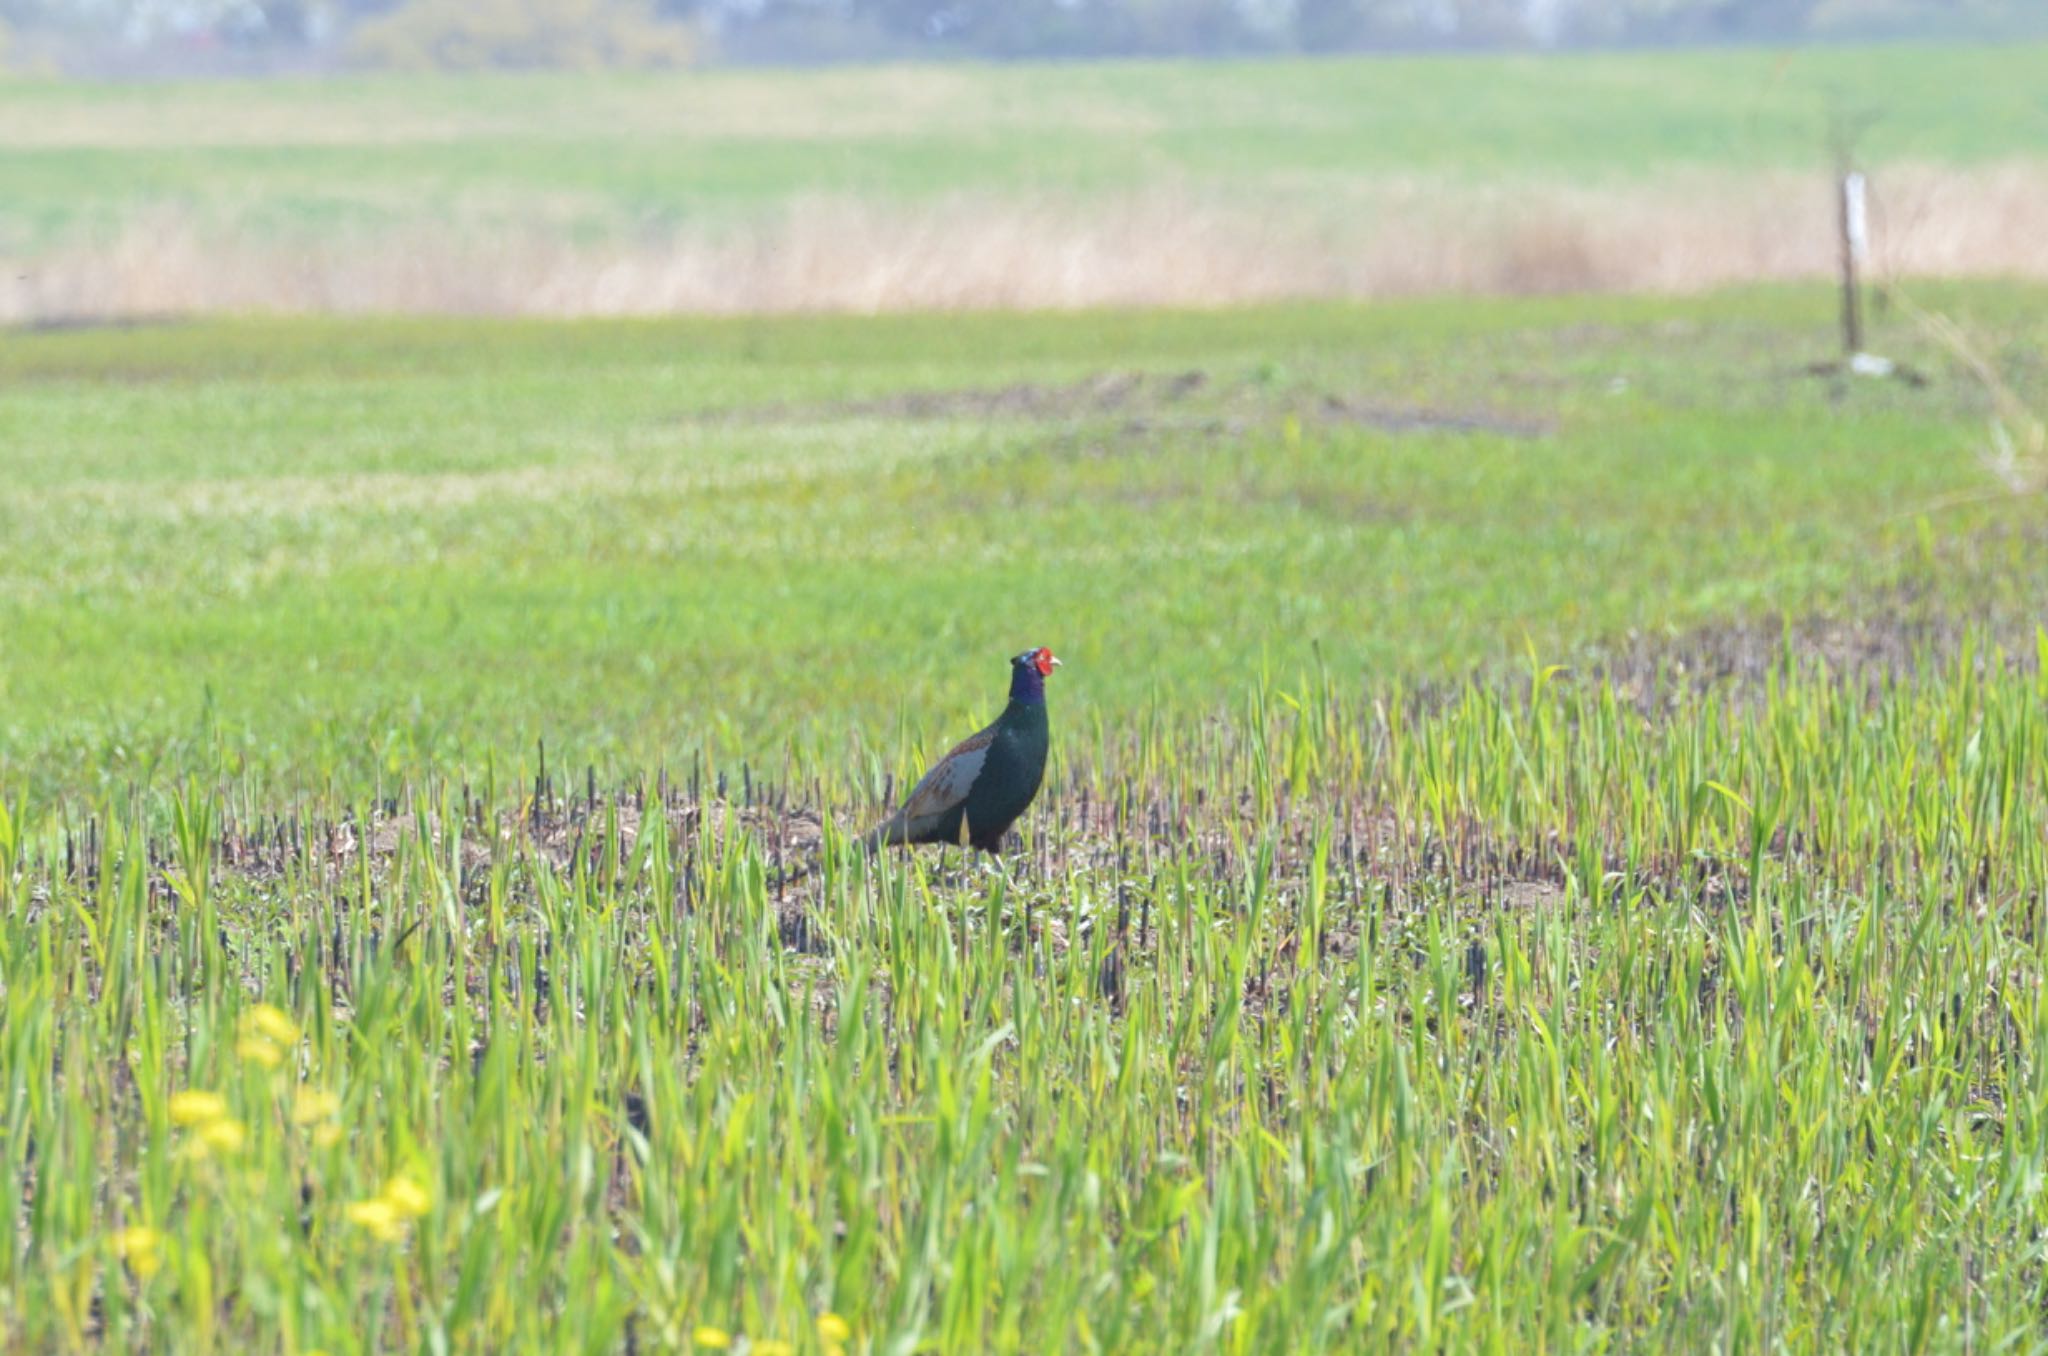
1361, 978
321, 554
623, 153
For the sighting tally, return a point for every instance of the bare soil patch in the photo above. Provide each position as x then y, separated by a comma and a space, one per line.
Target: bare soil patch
1899, 634
1147, 401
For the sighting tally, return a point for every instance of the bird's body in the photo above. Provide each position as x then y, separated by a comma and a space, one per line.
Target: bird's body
979, 789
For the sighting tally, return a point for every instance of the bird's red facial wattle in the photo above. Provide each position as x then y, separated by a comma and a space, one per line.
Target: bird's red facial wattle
1044, 662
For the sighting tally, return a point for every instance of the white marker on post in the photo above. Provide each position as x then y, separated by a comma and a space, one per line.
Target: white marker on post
1856, 216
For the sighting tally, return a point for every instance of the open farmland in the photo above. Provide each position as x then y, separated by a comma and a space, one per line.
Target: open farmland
1025, 186
1547, 842
321, 553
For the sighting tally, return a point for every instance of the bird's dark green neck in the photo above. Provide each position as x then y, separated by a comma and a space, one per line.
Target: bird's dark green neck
1024, 716
1027, 686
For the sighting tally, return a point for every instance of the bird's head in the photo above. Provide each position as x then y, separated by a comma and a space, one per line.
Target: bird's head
1040, 660
1028, 672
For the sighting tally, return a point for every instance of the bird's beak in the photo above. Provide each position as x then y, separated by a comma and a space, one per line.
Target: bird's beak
1055, 660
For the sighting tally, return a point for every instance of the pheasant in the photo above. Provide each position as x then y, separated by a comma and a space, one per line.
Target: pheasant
976, 792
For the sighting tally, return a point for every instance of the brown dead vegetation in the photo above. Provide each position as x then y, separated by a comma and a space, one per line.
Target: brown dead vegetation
1152, 247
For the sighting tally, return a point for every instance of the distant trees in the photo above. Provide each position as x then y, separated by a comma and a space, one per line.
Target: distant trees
445, 34
466, 34
764, 28
140, 24
524, 35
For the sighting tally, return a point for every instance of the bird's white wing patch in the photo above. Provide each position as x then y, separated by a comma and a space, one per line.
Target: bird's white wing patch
949, 780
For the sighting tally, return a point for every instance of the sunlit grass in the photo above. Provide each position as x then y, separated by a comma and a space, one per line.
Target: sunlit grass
1522, 1019
1457, 916
333, 554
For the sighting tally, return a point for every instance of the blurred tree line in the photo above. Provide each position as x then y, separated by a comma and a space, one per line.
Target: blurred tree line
465, 34
784, 29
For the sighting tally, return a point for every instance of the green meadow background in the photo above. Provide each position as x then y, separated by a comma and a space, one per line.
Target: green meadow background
346, 550
619, 153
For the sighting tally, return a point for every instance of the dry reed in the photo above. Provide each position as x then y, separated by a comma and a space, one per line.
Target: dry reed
1153, 247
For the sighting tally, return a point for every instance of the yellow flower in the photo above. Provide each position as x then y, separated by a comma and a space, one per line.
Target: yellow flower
710, 1338
380, 1217
138, 1238
226, 1134
192, 1107
311, 1104
407, 1197
833, 1328
260, 1050
272, 1022
140, 1247
327, 1136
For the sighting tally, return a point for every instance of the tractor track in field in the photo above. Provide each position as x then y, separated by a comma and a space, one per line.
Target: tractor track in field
1146, 402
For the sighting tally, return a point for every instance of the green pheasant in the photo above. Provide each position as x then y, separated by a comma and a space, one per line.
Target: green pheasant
977, 791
